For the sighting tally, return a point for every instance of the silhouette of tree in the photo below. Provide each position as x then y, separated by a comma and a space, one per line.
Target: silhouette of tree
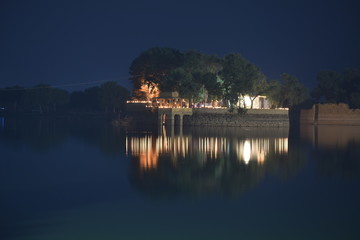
11, 98
287, 92
334, 87
113, 97
239, 76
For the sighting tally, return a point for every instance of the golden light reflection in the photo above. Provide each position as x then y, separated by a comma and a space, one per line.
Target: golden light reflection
148, 148
281, 146
257, 149
143, 148
246, 151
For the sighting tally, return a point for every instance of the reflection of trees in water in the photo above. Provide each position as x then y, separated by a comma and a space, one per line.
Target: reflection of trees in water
287, 165
200, 172
39, 133
100, 133
43, 133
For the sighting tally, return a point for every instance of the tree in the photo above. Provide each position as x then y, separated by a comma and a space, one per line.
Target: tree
329, 86
45, 98
113, 96
184, 83
167, 69
288, 92
151, 68
351, 87
77, 100
293, 91
39, 97
197, 62
273, 93
212, 85
58, 97
258, 87
203, 75
238, 75
12, 97
92, 99
334, 87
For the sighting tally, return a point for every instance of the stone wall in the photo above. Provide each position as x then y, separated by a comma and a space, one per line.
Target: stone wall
213, 117
330, 114
307, 116
253, 118
249, 111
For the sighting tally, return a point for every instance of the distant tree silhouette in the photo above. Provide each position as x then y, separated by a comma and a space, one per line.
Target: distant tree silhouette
44, 98
334, 87
238, 76
287, 92
113, 97
11, 98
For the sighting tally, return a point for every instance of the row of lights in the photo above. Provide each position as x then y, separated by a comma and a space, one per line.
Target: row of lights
137, 101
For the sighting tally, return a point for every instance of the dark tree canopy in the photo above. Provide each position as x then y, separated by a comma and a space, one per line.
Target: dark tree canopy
152, 66
11, 98
198, 76
335, 87
43, 98
239, 76
113, 97
329, 86
212, 84
287, 92
168, 69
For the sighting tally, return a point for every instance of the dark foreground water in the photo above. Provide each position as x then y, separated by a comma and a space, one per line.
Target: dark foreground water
83, 179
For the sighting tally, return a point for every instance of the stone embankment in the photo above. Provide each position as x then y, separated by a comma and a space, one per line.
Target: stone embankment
330, 114
208, 117
252, 118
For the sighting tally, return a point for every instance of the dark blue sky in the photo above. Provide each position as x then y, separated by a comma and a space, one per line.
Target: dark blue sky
72, 42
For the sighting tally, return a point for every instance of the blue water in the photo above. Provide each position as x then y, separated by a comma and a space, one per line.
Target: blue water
76, 179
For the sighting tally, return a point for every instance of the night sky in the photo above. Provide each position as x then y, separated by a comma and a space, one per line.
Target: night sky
70, 43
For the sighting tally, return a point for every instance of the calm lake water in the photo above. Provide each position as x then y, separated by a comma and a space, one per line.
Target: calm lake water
84, 179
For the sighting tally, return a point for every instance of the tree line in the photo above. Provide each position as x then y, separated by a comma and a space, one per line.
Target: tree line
338, 87
43, 98
203, 77
196, 76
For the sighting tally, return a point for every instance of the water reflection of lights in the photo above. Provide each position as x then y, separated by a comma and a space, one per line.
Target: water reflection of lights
148, 148
143, 148
212, 146
246, 151
257, 149
281, 145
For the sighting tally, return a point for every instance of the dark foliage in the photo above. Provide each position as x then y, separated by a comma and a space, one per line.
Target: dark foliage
44, 99
335, 87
